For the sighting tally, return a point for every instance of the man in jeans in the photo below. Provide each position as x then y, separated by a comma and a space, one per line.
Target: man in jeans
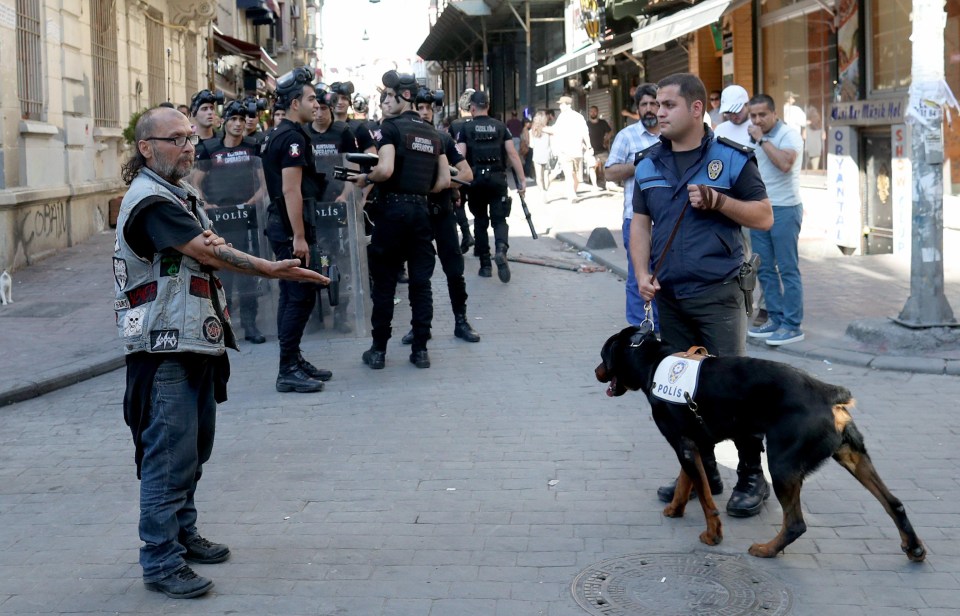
779, 150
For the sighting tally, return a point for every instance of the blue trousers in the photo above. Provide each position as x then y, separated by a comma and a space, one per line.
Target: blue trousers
635, 302
176, 443
780, 266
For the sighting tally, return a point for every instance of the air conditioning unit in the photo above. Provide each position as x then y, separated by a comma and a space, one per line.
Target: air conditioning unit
270, 46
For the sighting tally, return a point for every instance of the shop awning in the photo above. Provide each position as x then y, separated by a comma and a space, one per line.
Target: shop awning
448, 37
618, 44
568, 64
682, 22
251, 51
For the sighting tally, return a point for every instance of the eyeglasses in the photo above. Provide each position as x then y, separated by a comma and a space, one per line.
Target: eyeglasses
177, 141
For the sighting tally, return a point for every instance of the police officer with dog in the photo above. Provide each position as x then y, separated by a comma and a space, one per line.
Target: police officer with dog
488, 147
444, 223
411, 165
293, 185
228, 177
693, 192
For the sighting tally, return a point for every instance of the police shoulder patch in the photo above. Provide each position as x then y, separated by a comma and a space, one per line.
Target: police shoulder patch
733, 144
294, 150
714, 169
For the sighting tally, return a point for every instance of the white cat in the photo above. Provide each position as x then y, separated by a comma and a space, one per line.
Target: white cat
6, 288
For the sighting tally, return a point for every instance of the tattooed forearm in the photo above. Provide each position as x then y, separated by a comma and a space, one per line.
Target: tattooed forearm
233, 258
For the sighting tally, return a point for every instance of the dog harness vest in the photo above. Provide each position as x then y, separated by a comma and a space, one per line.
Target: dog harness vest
170, 304
676, 378
708, 248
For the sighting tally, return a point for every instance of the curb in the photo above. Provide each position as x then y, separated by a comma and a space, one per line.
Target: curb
98, 366
611, 259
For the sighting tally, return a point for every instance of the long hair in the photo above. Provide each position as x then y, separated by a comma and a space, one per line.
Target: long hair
142, 130
539, 121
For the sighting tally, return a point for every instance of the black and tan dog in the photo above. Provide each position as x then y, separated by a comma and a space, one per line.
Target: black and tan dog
805, 421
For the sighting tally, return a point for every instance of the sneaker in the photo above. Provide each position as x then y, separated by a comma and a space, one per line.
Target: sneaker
785, 335
181, 584
764, 331
204, 551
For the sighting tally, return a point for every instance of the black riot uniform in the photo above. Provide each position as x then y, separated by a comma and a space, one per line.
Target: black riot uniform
403, 231
485, 138
289, 146
230, 169
363, 132
328, 148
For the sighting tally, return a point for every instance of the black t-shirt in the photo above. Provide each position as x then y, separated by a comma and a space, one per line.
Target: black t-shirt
328, 148
362, 132
453, 158
158, 226
682, 161
229, 174
597, 131
285, 147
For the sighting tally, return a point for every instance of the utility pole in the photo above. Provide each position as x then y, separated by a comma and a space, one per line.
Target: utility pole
927, 306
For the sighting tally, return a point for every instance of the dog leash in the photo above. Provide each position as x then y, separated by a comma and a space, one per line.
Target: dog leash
647, 323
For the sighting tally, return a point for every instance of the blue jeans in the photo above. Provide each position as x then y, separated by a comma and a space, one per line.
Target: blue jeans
635, 302
176, 443
780, 266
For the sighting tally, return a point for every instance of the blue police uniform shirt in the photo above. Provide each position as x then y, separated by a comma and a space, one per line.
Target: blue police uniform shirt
708, 249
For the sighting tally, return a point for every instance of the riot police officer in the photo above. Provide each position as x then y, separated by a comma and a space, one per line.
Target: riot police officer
488, 147
253, 107
227, 177
330, 140
445, 224
362, 128
460, 209
292, 185
340, 104
411, 166
203, 110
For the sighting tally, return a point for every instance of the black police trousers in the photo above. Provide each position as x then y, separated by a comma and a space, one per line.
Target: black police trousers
297, 301
444, 221
489, 205
402, 233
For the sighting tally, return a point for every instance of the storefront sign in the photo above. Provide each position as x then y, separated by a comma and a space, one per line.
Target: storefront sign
843, 185
902, 190
865, 113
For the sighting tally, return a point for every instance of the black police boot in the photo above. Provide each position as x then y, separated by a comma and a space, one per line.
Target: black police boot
312, 371
293, 378
408, 337
748, 495
486, 269
467, 240
503, 268
252, 334
463, 330
374, 358
420, 358
665, 493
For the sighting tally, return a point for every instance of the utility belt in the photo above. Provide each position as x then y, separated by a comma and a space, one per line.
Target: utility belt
400, 197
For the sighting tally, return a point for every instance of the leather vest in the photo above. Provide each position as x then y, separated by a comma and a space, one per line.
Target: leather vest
169, 304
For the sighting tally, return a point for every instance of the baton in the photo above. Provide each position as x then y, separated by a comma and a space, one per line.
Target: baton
523, 204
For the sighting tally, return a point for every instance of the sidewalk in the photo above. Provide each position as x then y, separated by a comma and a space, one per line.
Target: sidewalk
60, 329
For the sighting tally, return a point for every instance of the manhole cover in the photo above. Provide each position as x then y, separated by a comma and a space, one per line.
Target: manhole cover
679, 585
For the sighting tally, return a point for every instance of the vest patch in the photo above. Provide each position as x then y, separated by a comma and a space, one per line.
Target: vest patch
170, 265
421, 144
164, 339
676, 376
714, 169
133, 321
199, 287
212, 330
143, 294
294, 150
121, 304
120, 271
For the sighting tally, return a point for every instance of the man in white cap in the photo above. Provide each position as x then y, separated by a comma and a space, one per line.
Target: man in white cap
733, 106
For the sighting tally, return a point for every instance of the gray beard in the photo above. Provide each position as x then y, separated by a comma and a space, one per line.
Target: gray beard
649, 122
170, 172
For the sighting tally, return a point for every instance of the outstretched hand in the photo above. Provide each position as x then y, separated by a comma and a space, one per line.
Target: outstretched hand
289, 269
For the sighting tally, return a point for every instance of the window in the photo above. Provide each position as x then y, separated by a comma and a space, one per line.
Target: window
890, 46
29, 59
799, 68
156, 58
190, 64
103, 30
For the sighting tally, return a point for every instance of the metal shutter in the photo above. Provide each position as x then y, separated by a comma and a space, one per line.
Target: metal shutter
603, 99
660, 64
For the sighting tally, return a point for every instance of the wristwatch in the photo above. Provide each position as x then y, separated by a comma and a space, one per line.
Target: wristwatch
761, 141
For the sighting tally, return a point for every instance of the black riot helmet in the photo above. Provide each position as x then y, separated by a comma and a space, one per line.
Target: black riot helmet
342, 87
203, 97
431, 97
325, 96
400, 82
234, 108
360, 104
290, 85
